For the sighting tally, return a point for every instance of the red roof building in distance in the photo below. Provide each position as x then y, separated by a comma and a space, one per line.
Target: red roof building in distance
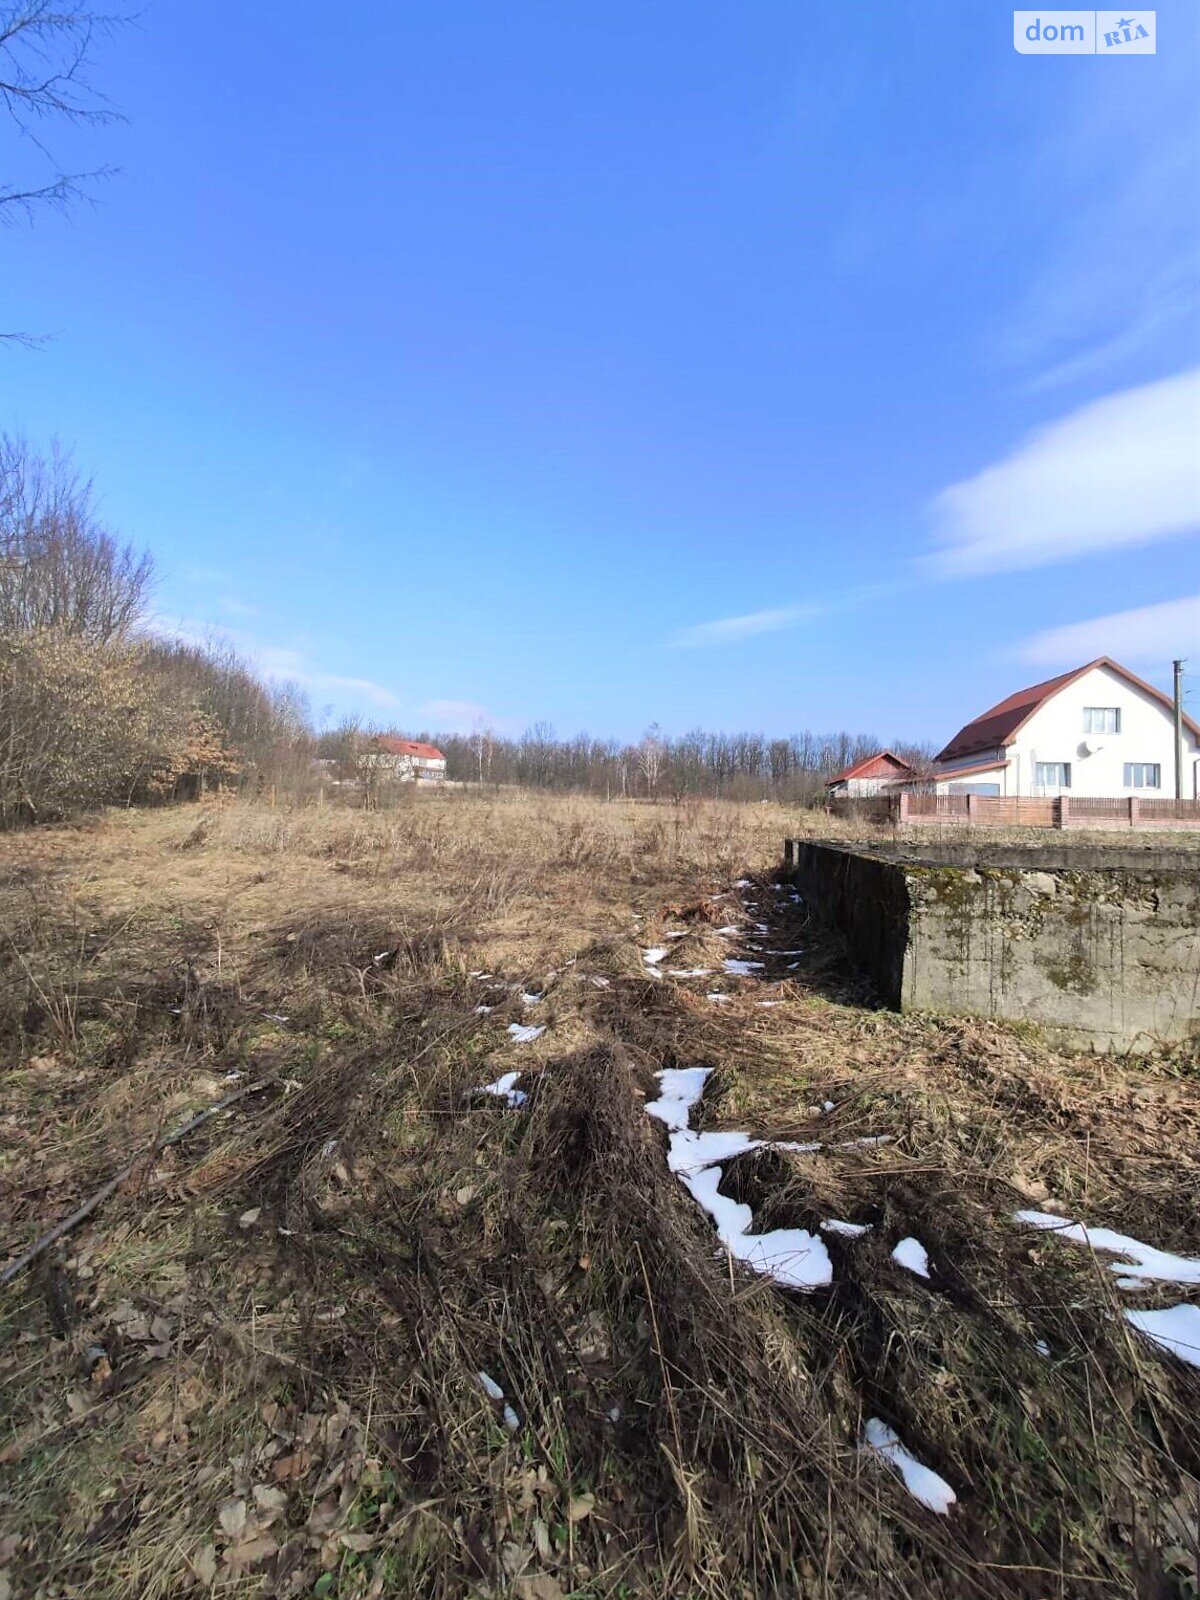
1099, 731
389, 744
872, 775
407, 760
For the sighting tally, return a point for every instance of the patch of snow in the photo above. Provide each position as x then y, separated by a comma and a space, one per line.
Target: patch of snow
681, 1089
531, 999
718, 999
677, 933
689, 1152
598, 981
503, 1087
847, 1230
729, 930
654, 956
1142, 1263
912, 1254
921, 1481
690, 972
1175, 1329
524, 1034
274, 1016
478, 974
870, 1138
741, 969
768, 1002
1042, 1348
791, 1257
828, 1105
484, 1011
743, 883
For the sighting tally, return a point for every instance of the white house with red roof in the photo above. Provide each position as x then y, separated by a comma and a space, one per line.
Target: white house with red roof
874, 775
1099, 732
406, 760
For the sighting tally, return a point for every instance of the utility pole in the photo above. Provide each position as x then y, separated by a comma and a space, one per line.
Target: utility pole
1178, 665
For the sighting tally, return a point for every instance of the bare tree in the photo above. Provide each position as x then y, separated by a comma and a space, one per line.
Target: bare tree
651, 758
483, 742
59, 567
46, 52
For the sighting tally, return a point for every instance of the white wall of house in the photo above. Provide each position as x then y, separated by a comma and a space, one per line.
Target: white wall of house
864, 786
1057, 733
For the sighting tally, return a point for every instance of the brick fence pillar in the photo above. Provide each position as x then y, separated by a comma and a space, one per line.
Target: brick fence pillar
1135, 811
1062, 812
902, 806
970, 811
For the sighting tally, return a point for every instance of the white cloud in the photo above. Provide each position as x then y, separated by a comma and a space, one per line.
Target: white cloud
1123, 470
463, 716
278, 663
1147, 633
727, 630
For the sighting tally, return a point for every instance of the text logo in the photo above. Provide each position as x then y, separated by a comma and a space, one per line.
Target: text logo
1084, 33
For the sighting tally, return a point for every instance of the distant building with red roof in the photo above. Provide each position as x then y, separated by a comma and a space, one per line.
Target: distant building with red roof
406, 760
873, 775
1097, 732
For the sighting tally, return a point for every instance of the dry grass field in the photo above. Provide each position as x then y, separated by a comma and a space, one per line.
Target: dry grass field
256, 1368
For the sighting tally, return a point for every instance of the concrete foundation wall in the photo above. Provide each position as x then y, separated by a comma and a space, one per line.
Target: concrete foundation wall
1103, 948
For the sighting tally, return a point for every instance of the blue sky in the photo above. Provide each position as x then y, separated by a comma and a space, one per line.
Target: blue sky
753, 366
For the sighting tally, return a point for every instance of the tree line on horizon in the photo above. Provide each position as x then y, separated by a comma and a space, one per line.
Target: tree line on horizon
735, 766
96, 709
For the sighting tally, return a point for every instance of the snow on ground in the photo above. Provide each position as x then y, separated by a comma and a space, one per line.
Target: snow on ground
1175, 1329
523, 1033
718, 999
690, 972
848, 1230
531, 999
791, 1257
741, 969
503, 1087
912, 1254
654, 956
922, 1482
1142, 1264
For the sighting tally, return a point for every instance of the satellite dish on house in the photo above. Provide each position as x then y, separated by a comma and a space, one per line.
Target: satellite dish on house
1091, 747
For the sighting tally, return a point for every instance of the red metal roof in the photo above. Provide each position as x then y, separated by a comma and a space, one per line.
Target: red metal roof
392, 746
883, 764
952, 773
1004, 721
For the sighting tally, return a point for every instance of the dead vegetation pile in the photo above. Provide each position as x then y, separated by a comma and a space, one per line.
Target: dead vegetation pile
370, 1331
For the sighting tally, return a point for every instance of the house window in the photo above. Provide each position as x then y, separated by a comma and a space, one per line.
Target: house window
1052, 774
1143, 775
1101, 719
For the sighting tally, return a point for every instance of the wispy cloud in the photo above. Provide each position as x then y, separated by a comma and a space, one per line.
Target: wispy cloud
1146, 633
278, 663
1123, 470
728, 630
463, 716
1108, 278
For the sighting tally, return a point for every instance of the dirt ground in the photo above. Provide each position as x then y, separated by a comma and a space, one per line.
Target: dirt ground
365, 1329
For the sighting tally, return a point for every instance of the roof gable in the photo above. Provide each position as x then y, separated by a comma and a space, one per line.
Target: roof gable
883, 764
390, 745
1000, 725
